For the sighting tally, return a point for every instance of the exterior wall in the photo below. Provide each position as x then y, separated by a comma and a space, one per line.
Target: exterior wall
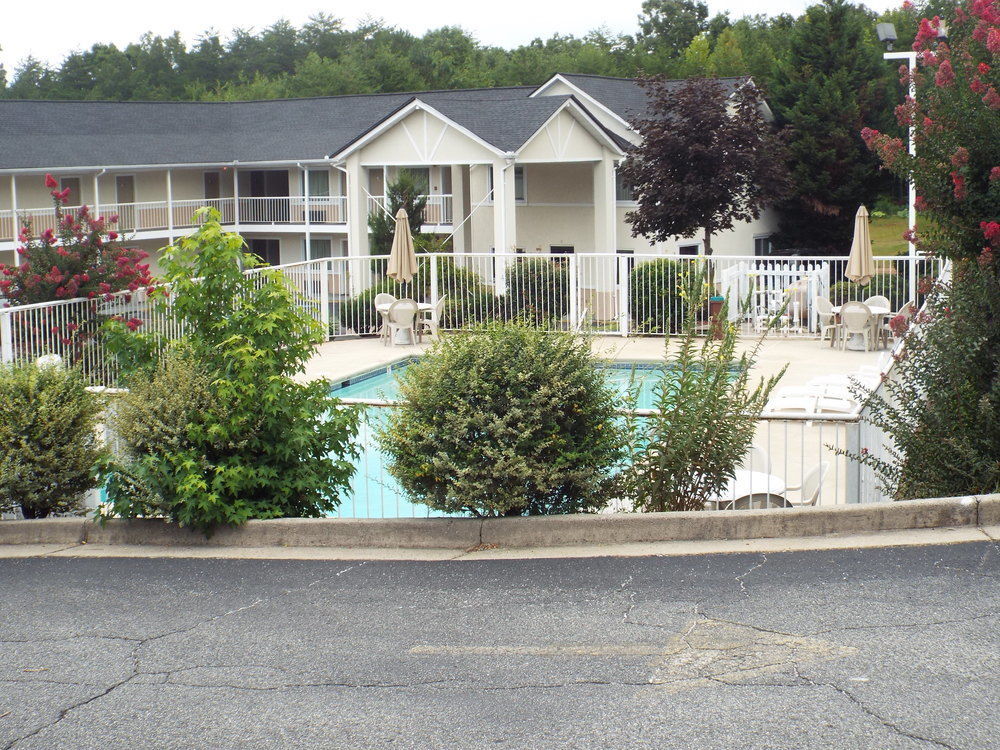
611, 122
738, 241
423, 139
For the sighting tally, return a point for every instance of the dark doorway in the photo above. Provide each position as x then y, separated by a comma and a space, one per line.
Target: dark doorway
268, 250
269, 197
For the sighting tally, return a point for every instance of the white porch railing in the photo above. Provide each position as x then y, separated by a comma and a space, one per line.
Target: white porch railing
437, 212
162, 216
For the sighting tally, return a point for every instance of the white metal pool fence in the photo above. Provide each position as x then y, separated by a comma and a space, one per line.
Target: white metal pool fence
790, 447
602, 293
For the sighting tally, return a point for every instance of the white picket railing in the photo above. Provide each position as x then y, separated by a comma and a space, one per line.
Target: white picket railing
437, 211
164, 216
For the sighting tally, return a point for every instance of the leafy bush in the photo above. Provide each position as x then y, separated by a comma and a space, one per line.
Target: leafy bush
704, 418
941, 407
251, 442
891, 285
654, 300
50, 448
538, 289
506, 420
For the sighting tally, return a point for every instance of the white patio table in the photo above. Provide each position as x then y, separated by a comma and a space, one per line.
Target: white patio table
401, 336
746, 483
857, 342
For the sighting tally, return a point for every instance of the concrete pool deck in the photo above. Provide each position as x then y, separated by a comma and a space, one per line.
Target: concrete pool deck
805, 357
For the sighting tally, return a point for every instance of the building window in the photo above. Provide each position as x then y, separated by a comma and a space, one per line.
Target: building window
688, 249
519, 184
319, 248
213, 185
319, 183
762, 245
624, 192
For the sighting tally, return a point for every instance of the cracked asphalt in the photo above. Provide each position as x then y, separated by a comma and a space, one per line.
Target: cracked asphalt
877, 648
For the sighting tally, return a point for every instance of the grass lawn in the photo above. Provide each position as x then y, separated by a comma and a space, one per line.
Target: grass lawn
887, 235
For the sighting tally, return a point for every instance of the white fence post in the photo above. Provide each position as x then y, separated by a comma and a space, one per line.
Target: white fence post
574, 294
324, 296
623, 286
434, 277
913, 279
6, 336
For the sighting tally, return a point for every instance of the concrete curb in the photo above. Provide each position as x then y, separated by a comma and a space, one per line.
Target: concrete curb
514, 533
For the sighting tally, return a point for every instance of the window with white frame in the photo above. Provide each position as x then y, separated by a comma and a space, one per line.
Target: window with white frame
625, 192
762, 244
319, 248
519, 184
688, 249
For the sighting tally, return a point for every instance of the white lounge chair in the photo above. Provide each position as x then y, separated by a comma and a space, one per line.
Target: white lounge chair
402, 316
810, 487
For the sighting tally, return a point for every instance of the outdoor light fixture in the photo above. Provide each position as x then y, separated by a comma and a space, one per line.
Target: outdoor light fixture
886, 33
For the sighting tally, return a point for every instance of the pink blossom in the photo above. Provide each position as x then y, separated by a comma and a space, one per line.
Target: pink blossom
991, 231
961, 157
959, 182
920, 203
983, 68
50, 182
993, 41
995, 174
133, 324
992, 98
977, 86
945, 76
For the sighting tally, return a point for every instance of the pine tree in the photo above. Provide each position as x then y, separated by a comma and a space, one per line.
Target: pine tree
827, 87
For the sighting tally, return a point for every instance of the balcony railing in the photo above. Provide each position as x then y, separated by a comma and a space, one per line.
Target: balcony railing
163, 216
437, 211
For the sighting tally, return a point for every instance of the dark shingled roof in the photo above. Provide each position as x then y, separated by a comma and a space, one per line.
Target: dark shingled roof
39, 134
625, 96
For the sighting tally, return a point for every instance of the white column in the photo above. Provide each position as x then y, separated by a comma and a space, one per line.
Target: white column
504, 218
459, 210
357, 208
305, 200
97, 197
170, 206
604, 204
236, 199
15, 228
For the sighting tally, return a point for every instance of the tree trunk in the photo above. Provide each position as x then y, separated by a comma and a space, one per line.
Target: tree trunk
708, 241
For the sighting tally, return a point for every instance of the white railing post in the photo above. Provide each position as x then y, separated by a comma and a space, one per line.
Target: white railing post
574, 294
853, 468
6, 336
623, 285
434, 277
913, 278
324, 296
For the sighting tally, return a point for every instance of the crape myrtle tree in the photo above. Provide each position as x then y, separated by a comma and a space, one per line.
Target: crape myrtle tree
941, 408
408, 192
708, 160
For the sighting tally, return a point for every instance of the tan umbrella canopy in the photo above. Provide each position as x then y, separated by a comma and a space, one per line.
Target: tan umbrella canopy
861, 264
402, 258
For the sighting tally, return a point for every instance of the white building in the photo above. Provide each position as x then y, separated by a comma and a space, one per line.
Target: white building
530, 169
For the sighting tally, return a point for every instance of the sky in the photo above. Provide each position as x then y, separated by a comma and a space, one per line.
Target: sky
50, 31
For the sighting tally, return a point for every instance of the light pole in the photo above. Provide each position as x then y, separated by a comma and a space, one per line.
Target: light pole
887, 33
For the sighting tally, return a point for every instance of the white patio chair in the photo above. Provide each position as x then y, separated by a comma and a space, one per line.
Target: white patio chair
885, 330
431, 319
755, 459
810, 487
857, 320
756, 501
402, 316
879, 300
382, 299
827, 319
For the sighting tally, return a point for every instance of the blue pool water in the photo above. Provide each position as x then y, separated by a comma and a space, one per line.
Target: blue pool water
375, 494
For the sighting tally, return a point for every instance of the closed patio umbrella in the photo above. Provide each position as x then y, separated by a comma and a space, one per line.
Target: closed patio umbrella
402, 258
861, 263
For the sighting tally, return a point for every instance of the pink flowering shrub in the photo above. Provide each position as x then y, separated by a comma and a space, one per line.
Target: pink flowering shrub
83, 258
957, 119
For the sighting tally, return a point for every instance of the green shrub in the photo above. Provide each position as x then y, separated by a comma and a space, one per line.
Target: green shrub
891, 285
655, 304
469, 300
538, 289
252, 442
506, 420
50, 448
941, 407
705, 412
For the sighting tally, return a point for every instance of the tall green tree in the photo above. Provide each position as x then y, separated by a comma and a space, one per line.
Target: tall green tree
668, 26
828, 85
408, 192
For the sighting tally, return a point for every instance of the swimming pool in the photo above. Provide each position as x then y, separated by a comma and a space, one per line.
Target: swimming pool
375, 494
